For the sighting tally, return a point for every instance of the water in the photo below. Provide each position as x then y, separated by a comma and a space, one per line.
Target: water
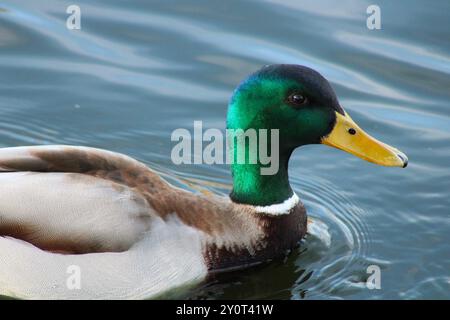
137, 70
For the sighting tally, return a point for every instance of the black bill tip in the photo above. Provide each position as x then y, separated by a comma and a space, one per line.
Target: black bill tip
404, 159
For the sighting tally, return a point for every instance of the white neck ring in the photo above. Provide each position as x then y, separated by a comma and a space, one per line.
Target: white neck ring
279, 208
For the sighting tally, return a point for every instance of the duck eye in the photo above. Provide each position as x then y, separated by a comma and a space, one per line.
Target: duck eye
297, 99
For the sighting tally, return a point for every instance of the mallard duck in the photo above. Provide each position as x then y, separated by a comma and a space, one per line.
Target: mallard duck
108, 219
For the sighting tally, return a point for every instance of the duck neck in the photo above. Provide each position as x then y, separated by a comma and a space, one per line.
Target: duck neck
252, 187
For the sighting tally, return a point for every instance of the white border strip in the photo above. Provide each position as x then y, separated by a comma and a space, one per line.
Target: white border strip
279, 208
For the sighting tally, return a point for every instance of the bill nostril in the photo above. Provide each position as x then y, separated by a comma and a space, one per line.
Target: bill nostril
352, 131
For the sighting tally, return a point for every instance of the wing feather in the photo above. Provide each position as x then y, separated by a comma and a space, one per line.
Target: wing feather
59, 198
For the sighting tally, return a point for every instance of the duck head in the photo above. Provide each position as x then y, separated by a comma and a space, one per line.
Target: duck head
303, 107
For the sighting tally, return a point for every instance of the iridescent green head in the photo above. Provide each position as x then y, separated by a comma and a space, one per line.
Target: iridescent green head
294, 99
302, 105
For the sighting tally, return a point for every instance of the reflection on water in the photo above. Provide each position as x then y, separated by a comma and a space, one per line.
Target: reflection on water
138, 70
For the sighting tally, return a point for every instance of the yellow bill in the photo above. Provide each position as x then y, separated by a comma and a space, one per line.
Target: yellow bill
348, 136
